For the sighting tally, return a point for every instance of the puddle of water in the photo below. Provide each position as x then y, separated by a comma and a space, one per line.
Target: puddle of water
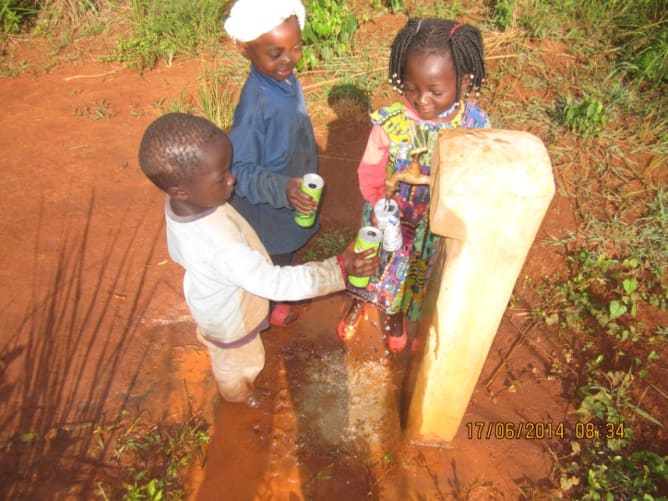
328, 422
329, 428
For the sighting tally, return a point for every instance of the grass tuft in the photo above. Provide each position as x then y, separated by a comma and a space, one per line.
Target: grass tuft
164, 29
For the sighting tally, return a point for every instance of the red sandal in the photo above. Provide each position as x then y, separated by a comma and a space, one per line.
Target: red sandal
396, 343
283, 315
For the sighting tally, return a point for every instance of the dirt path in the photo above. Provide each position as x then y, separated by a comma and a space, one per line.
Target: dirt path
93, 324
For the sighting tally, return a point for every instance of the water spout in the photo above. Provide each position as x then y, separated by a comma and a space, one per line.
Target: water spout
410, 175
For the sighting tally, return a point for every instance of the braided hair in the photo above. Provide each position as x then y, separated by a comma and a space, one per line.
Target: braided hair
171, 148
462, 42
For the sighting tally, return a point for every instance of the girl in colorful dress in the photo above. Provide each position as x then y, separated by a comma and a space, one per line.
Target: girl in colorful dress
435, 65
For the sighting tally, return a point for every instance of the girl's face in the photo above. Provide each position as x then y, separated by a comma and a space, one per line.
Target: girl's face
430, 83
276, 53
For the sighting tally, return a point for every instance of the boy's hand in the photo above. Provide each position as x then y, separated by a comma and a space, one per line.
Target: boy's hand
360, 264
298, 199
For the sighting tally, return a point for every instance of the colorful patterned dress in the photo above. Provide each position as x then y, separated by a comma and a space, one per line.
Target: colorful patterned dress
401, 283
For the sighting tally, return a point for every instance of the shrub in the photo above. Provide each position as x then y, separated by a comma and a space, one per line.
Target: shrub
328, 32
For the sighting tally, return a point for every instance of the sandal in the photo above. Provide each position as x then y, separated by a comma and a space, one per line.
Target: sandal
283, 315
348, 325
396, 339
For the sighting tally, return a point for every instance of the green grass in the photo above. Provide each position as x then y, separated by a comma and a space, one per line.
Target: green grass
181, 103
328, 31
163, 30
13, 13
585, 117
503, 13
216, 98
95, 111
152, 458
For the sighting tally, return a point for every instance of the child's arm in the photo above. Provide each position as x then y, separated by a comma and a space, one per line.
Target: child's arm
372, 169
246, 268
255, 182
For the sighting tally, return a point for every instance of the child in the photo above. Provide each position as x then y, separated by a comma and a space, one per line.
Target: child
228, 273
435, 64
272, 136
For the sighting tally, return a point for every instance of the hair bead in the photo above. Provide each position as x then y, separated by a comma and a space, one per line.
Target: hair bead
437, 35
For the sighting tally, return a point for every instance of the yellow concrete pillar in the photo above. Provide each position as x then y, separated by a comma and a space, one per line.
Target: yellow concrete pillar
490, 191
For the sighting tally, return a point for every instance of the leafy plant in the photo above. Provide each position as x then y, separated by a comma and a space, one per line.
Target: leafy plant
13, 13
607, 400
153, 458
610, 476
503, 14
328, 31
606, 290
600, 301
585, 117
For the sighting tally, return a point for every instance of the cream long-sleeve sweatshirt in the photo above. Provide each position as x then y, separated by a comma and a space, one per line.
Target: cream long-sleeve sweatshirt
229, 277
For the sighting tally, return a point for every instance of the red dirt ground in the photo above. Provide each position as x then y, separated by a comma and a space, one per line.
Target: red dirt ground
93, 321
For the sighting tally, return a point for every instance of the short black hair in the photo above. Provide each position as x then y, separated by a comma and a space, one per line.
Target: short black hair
171, 148
462, 42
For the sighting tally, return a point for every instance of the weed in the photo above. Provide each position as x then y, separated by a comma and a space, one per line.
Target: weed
600, 301
13, 13
349, 102
96, 111
585, 117
164, 29
447, 10
72, 16
393, 5
328, 31
606, 290
642, 38
609, 475
503, 14
11, 70
217, 98
153, 457
183, 104
539, 20
643, 242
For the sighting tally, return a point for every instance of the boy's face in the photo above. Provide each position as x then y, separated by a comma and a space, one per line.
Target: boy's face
214, 183
430, 83
276, 53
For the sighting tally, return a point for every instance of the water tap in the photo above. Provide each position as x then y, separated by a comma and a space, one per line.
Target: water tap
410, 175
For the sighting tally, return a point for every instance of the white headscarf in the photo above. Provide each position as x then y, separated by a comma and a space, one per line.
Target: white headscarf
250, 19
